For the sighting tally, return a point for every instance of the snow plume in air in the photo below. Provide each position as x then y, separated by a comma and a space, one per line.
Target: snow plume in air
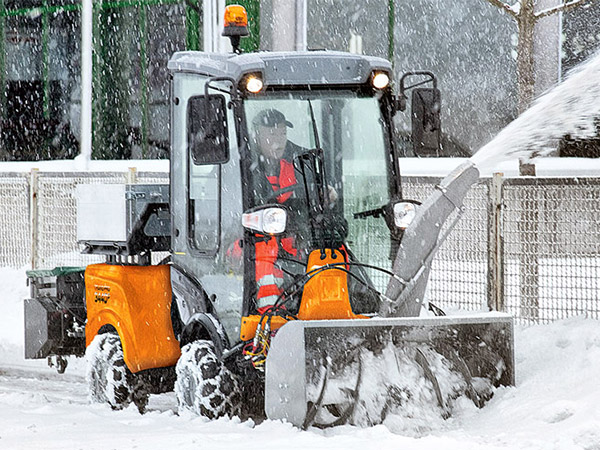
570, 108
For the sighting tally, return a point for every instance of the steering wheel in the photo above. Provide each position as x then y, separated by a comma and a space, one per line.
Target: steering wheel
293, 188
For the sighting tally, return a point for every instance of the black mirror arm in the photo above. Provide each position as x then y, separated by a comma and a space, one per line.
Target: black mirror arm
430, 79
401, 100
232, 92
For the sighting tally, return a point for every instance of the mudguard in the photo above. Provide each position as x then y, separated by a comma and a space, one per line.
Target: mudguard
207, 327
136, 301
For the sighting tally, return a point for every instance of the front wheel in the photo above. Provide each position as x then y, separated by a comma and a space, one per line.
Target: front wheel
204, 385
109, 380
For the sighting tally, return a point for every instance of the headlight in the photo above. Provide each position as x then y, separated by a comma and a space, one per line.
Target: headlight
254, 84
268, 220
274, 220
380, 80
404, 214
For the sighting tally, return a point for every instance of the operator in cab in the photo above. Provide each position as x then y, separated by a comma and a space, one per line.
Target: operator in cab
275, 153
275, 171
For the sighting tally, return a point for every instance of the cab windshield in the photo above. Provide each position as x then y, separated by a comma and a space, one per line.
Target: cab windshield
349, 128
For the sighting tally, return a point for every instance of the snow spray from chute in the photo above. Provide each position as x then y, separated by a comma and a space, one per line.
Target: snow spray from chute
570, 108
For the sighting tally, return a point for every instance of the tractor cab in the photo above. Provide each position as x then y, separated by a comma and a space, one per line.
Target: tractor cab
295, 146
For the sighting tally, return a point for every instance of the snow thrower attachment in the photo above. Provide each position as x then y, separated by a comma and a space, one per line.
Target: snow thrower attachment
328, 373
332, 372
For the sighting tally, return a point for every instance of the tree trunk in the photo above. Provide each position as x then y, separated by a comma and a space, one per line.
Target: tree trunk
525, 67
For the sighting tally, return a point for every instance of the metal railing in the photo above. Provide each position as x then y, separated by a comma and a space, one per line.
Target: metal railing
526, 246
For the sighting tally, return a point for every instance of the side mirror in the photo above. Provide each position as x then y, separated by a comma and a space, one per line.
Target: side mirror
426, 125
265, 219
207, 129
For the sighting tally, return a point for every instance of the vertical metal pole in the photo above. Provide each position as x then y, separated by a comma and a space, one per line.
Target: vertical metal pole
284, 25
391, 18
33, 216
86, 81
45, 61
208, 18
221, 44
144, 81
132, 175
495, 246
301, 25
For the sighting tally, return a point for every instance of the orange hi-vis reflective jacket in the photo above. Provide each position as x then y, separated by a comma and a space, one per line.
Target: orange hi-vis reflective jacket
269, 278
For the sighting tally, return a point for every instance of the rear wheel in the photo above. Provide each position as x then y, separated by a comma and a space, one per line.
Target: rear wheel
109, 379
204, 385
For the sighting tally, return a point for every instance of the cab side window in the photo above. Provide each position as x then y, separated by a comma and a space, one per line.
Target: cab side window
208, 144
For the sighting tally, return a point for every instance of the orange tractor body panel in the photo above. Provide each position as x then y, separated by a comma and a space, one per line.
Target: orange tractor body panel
325, 295
136, 301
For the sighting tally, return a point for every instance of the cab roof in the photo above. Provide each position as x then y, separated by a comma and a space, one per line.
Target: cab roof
282, 68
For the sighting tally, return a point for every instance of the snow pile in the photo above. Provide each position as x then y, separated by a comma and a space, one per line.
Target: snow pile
571, 108
555, 402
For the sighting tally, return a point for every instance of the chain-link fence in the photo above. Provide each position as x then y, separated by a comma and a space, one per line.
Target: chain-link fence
15, 234
551, 254
527, 246
459, 271
38, 215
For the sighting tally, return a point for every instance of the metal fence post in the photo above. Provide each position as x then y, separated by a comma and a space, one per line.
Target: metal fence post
495, 246
33, 216
529, 227
132, 175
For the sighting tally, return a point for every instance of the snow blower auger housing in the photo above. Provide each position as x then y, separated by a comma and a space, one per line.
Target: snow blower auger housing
296, 266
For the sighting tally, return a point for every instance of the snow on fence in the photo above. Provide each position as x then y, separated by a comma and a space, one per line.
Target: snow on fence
527, 246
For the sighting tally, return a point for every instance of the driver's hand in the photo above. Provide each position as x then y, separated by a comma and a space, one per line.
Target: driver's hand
333, 195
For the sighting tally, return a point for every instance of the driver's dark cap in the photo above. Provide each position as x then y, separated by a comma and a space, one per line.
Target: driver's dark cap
271, 118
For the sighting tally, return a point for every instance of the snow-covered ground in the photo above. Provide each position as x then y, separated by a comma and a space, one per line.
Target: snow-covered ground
553, 406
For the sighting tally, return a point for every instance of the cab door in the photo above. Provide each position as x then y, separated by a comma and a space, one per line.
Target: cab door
206, 199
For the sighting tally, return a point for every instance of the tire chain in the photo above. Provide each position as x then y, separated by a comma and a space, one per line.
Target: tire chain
204, 381
109, 379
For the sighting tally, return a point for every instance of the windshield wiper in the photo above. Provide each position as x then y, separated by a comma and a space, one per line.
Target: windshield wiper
327, 231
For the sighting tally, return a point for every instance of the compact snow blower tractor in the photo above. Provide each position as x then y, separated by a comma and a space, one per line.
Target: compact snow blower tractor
296, 273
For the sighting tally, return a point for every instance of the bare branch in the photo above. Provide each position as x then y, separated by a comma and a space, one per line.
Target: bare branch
500, 4
561, 8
